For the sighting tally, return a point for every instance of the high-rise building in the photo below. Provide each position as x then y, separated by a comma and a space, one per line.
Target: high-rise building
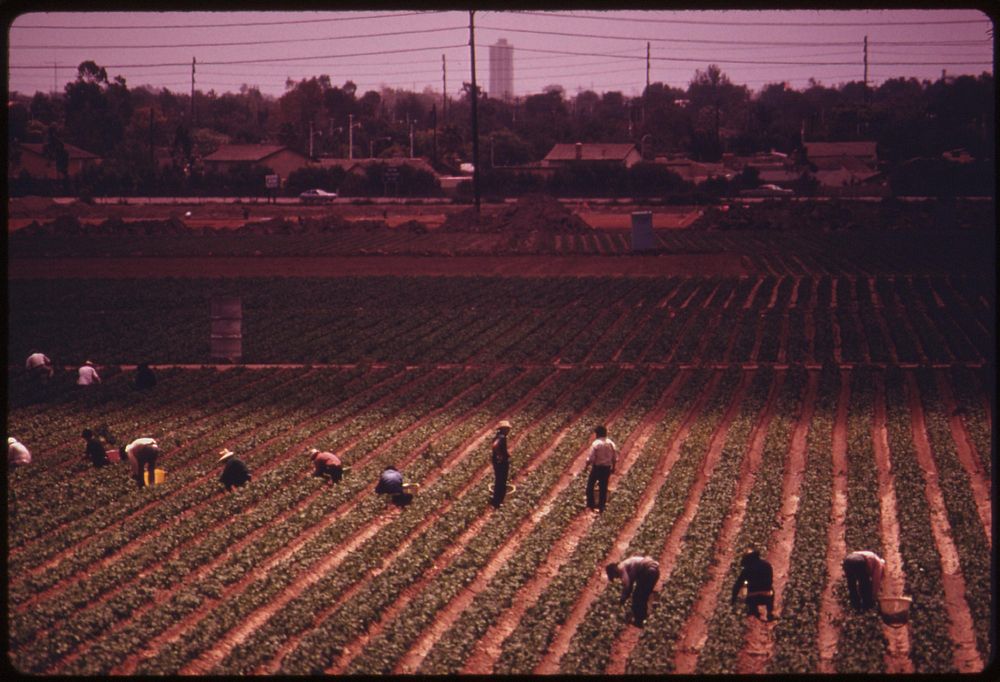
502, 70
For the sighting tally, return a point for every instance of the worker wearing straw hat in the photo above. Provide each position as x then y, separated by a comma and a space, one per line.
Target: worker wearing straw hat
863, 571
142, 452
234, 472
327, 464
17, 454
500, 459
87, 375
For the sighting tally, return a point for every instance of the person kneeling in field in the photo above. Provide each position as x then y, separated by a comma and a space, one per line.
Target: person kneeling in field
142, 452
327, 464
758, 576
639, 575
863, 571
95, 450
234, 472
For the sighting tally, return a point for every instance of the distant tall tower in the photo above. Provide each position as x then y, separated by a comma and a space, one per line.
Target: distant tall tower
502, 70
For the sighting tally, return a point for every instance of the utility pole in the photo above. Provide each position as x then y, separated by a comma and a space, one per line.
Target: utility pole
647, 86
444, 90
411, 137
55, 77
866, 66
434, 124
475, 113
193, 61
310, 139
152, 153
350, 136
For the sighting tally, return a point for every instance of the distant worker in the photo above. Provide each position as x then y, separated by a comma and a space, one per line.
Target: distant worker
639, 575
144, 377
758, 576
863, 571
234, 472
327, 464
39, 367
95, 451
87, 375
500, 458
17, 453
390, 483
601, 460
141, 454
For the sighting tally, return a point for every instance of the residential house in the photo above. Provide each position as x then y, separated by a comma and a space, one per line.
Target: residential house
280, 159
566, 154
695, 172
30, 157
842, 164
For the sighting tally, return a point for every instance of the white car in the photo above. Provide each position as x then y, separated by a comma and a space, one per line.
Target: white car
767, 191
317, 196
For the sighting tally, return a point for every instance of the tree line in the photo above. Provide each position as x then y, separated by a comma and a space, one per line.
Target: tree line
132, 128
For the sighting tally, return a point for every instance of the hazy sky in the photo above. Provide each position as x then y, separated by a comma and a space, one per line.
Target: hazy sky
576, 49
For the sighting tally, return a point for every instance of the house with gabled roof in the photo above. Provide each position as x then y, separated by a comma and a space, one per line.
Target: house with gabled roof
279, 158
841, 164
30, 157
626, 155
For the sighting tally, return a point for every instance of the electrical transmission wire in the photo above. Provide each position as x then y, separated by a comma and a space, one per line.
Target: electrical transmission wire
105, 27
776, 24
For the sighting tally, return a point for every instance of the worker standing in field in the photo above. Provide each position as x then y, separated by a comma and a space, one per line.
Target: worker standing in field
758, 576
639, 575
601, 460
500, 459
17, 454
142, 454
87, 375
327, 464
863, 571
235, 473
39, 367
95, 451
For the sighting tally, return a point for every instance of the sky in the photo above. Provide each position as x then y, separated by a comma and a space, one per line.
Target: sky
416, 50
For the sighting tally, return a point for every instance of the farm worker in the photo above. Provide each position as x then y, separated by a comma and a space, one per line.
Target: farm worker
39, 366
390, 482
757, 574
142, 453
87, 375
639, 575
863, 571
234, 472
94, 451
17, 454
327, 464
501, 463
144, 377
601, 460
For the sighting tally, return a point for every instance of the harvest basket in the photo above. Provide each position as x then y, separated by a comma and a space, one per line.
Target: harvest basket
411, 488
895, 611
159, 476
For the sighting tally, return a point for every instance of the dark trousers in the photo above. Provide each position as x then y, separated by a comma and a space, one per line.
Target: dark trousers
600, 476
500, 472
334, 472
859, 583
756, 600
644, 584
147, 460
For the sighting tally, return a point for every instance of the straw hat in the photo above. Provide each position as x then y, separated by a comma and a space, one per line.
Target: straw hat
312, 452
225, 453
503, 424
88, 363
11, 440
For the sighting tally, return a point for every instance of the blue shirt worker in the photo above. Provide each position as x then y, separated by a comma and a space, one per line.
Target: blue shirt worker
390, 482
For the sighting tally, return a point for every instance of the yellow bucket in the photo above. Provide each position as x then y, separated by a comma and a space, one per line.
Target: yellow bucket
159, 476
510, 488
895, 611
410, 488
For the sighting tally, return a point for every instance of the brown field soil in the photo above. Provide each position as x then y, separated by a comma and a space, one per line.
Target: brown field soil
724, 264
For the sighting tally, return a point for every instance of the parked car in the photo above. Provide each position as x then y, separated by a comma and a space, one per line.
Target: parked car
317, 196
767, 191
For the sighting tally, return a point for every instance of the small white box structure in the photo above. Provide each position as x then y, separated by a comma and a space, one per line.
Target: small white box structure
642, 231
227, 328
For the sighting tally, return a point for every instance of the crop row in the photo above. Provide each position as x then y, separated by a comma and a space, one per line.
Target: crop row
381, 319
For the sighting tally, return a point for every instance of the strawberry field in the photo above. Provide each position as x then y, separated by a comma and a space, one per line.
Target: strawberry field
808, 410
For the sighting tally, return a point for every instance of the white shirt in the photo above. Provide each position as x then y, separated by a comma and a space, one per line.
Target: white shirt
88, 376
36, 360
18, 454
130, 449
603, 452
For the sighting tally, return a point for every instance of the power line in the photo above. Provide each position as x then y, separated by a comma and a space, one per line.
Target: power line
234, 44
713, 22
105, 27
